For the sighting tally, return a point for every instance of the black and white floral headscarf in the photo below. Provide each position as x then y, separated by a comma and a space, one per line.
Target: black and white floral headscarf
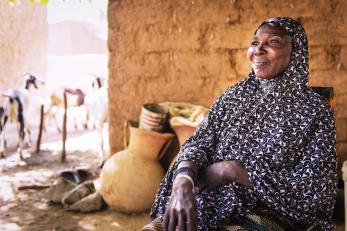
284, 135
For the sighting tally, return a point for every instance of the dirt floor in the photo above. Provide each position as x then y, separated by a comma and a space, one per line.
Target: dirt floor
25, 209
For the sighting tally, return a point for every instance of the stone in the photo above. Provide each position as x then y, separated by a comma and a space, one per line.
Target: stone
90, 203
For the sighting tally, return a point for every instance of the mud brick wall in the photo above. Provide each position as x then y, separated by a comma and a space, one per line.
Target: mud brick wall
182, 50
23, 42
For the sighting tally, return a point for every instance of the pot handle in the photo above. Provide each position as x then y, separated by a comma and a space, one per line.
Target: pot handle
165, 148
126, 134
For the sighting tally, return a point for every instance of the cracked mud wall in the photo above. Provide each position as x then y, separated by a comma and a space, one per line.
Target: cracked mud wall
191, 51
23, 42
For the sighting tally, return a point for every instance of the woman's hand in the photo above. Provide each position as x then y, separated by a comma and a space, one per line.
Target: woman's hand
221, 173
181, 211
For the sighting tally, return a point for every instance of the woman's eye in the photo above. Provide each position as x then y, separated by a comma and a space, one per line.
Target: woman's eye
275, 41
254, 43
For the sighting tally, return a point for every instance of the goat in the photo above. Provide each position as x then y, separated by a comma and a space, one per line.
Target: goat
17, 109
56, 105
96, 102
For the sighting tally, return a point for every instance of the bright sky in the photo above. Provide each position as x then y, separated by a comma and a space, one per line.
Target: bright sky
93, 11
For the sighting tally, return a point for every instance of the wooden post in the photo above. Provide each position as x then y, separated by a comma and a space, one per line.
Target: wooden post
63, 152
38, 142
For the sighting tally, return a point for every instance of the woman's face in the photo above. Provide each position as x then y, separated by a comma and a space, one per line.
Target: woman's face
270, 51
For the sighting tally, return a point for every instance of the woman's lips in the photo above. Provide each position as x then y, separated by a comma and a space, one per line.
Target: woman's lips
260, 64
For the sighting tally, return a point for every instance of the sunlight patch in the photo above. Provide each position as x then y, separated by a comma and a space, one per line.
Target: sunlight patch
85, 142
86, 225
116, 224
10, 226
12, 160
7, 192
40, 206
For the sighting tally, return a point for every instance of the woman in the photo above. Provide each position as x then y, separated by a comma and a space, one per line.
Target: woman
267, 141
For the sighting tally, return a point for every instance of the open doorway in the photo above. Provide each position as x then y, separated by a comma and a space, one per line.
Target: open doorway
77, 43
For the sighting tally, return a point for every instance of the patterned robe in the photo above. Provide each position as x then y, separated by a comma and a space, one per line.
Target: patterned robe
284, 135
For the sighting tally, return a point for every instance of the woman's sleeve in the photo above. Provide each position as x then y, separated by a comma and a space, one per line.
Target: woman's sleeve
199, 147
308, 189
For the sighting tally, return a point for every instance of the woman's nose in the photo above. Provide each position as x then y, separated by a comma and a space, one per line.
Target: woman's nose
259, 50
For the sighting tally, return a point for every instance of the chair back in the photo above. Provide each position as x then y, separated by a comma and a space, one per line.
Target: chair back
326, 92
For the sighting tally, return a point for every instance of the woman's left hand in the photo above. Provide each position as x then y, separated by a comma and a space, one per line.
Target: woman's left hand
215, 175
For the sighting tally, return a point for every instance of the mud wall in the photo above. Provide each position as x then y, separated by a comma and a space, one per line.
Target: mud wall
192, 50
23, 42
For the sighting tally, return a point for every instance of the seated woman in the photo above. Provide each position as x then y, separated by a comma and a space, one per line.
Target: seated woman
267, 141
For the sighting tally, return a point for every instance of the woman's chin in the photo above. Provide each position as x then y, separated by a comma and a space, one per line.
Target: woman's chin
263, 76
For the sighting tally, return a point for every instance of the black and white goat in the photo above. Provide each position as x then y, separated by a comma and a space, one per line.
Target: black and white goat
17, 109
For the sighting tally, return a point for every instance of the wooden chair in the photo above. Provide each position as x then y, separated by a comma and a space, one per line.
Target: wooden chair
327, 92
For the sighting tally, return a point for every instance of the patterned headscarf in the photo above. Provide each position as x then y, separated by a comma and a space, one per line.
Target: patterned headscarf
284, 135
297, 71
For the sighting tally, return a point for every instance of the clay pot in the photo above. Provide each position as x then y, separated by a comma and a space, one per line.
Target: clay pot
185, 117
183, 128
153, 117
130, 179
183, 132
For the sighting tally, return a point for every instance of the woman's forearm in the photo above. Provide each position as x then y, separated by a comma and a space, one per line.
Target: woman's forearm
236, 172
226, 171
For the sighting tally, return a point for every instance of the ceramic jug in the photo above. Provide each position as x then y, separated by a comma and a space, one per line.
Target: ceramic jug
130, 179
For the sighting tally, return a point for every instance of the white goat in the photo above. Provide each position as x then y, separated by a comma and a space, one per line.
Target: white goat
96, 102
18, 109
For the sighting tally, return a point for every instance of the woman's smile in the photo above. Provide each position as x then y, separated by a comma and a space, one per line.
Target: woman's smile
260, 63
